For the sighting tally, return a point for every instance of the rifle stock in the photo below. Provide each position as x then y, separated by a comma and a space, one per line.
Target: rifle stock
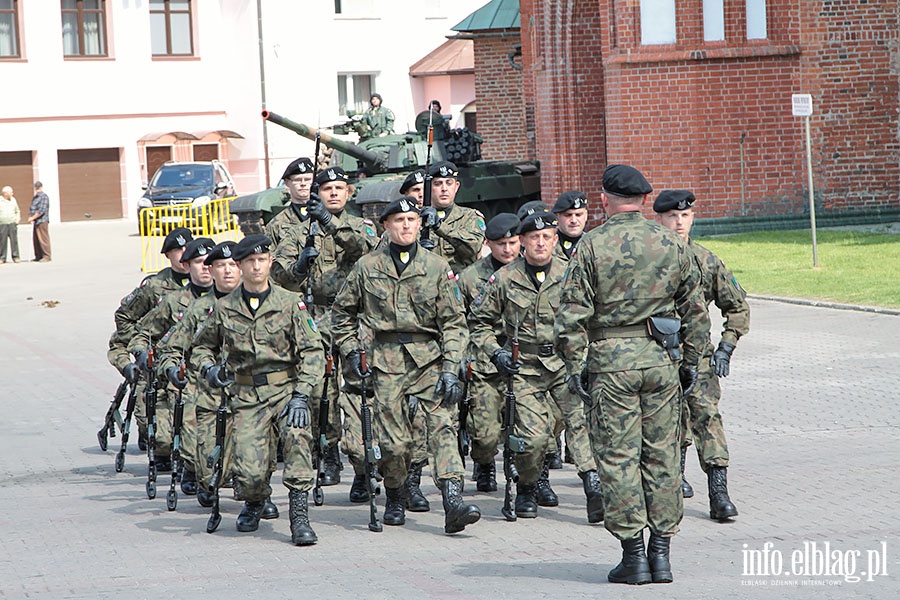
150, 397
318, 496
372, 451
126, 426
217, 456
512, 444
177, 461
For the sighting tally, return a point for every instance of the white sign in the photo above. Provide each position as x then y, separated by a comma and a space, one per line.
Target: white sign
802, 105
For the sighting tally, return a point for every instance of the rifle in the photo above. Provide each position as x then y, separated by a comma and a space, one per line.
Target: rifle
126, 427
318, 496
372, 450
150, 395
464, 440
113, 417
425, 234
177, 460
512, 445
313, 228
216, 459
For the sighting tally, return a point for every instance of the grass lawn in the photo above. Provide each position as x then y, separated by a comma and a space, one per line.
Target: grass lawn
854, 267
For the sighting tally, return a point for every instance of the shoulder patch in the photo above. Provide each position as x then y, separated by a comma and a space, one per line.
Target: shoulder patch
480, 221
302, 305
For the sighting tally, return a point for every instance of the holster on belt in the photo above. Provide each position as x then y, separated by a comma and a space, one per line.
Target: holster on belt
665, 330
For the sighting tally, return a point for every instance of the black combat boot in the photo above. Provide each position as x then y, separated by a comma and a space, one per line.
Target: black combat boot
394, 513
487, 477
634, 568
163, 463
686, 490
476, 471
301, 533
456, 514
526, 506
358, 492
720, 505
142, 440
544, 494
189, 480
415, 499
567, 456
331, 475
205, 499
593, 494
658, 557
248, 520
556, 457
269, 511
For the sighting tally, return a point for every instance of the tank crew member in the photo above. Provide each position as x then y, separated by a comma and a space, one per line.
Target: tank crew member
379, 119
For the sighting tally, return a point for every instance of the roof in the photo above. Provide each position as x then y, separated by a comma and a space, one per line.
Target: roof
453, 57
496, 14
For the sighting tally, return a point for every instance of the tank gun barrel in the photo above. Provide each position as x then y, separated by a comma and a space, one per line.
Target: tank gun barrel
372, 160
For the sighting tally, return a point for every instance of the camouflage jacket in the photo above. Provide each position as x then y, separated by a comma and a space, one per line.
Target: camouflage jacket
559, 251
720, 286
625, 271
510, 302
157, 323
281, 336
460, 237
424, 300
278, 227
176, 344
341, 243
471, 282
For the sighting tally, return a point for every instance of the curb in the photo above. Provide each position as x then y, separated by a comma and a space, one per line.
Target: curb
821, 304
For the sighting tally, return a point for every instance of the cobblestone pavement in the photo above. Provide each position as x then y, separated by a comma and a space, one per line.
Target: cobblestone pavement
810, 410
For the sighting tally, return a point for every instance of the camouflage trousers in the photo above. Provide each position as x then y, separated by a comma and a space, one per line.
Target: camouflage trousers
393, 430
206, 406
578, 440
257, 414
420, 437
333, 426
188, 447
485, 414
351, 437
634, 419
165, 404
700, 415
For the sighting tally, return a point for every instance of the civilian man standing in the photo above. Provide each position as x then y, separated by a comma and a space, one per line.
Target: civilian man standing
39, 215
9, 224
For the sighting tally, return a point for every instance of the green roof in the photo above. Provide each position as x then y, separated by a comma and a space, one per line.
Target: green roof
496, 14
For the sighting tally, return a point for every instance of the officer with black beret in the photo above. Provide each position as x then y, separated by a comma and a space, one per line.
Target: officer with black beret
529, 208
571, 210
298, 180
414, 185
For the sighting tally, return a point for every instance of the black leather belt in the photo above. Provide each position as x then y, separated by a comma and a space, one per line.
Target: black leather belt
261, 379
539, 349
403, 337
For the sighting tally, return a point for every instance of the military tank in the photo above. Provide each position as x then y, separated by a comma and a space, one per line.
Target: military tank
379, 165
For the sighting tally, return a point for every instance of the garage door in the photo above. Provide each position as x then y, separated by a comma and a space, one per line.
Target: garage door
156, 157
206, 152
16, 172
90, 184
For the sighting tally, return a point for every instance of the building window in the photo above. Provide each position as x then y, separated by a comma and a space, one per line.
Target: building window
84, 27
354, 91
353, 7
756, 20
170, 28
657, 22
9, 29
713, 20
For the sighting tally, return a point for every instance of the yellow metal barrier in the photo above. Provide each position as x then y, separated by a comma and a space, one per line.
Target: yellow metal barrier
213, 220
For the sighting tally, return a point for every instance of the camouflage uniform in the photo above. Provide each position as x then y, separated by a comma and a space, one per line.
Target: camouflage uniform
273, 353
701, 410
283, 222
625, 271
460, 237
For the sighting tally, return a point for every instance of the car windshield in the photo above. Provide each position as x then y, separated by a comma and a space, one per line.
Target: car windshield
183, 175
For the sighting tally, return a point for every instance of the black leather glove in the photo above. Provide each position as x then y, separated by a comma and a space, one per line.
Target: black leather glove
576, 387
301, 267
413, 404
217, 376
297, 411
172, 374
427, 244
503, 360
142, 359
449, 389
130, 372
315, 208
353, 359
430, 218
688, 378
721, 359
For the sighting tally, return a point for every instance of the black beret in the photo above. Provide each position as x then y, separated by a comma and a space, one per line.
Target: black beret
220, 252
414, 178
529, 208
568, 200
177, 238
625, 181
443, 169
252, 244
503, 225
673, 200
537, 221
400, 205
298, 167
331, 174
196, 248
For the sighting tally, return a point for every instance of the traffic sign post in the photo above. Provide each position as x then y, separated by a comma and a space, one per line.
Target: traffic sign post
802, 106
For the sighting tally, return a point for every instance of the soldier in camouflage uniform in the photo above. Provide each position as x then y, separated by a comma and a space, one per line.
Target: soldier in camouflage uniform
409, 299
701, 409
175, 349
338, 240
272, 348
414, 186
298, 180
626, 275
486, 386
151, 331
520, 300
137, 304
